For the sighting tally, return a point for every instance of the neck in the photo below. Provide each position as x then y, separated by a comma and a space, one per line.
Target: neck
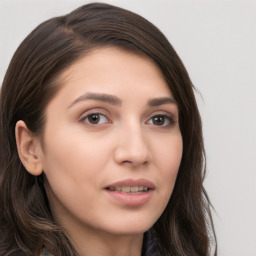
104, 244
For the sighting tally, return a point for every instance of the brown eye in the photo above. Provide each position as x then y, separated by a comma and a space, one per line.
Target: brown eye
96, 118
161, 120
158, 120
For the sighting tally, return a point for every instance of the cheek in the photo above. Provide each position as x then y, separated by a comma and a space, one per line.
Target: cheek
72, 167
169, 152
70, 152
74, 161
168, 159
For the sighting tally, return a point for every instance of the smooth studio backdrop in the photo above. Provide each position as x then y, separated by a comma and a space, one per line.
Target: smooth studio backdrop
217, 42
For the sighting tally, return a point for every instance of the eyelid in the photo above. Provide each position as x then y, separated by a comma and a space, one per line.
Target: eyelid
92, 110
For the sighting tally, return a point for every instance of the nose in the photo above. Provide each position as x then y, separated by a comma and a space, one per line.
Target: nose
132, 147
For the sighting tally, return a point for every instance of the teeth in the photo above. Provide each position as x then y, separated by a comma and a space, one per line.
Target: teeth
129, 189
134, 189
126, 189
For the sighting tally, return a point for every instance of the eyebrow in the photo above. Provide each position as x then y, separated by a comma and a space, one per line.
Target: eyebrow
111, 99
160, 101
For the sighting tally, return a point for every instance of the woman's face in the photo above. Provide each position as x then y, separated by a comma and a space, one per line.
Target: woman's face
112, 144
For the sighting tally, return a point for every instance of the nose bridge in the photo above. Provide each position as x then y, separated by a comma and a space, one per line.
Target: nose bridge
132, 145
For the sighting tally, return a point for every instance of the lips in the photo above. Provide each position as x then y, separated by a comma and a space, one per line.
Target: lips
132, 193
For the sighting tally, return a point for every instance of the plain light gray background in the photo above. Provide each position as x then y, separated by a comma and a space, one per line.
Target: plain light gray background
217, 43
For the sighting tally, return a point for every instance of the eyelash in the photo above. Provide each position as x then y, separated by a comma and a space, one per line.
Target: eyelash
167, 119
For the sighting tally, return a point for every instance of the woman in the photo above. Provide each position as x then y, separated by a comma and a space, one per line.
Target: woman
101, 142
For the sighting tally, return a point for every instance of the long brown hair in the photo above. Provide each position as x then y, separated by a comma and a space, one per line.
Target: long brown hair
26, 225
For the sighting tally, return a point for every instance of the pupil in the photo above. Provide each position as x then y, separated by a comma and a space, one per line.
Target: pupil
94, 118
158, 120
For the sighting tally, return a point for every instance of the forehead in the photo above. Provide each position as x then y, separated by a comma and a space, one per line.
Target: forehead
108, 65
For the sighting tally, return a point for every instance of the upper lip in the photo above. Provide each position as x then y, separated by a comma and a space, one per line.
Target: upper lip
133, 183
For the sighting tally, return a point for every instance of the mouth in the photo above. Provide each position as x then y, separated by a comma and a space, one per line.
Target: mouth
130, 192
129, 189
131, 186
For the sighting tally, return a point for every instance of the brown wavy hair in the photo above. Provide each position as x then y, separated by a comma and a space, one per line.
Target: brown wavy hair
26, 225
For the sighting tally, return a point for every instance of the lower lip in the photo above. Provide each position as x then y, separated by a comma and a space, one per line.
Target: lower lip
131, 199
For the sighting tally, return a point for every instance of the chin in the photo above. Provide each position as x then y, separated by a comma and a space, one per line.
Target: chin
131, 226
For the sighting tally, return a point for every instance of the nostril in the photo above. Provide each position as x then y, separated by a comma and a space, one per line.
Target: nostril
135, 163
